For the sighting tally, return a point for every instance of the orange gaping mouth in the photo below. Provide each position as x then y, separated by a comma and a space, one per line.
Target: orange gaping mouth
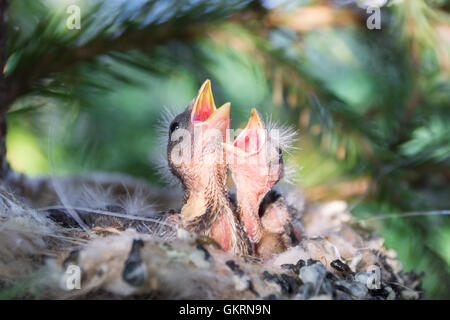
252, 138
206, 115
204, 105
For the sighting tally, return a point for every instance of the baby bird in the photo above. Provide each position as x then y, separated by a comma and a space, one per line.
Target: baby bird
196, 157
256, 162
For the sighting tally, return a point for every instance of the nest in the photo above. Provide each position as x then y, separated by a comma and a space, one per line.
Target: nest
123, 252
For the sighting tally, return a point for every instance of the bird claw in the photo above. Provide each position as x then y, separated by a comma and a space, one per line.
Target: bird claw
107, 230
205, 240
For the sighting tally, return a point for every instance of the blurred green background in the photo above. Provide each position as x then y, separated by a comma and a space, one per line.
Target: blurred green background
371, 106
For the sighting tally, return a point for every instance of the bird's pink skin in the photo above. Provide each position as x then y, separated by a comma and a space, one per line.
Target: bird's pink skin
251, 162
274, 219
222, 233
207, 186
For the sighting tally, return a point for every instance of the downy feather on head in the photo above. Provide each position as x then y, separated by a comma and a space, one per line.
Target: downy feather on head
159, 158
286, 137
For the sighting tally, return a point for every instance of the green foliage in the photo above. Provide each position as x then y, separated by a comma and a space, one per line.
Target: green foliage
370, 104
430, 142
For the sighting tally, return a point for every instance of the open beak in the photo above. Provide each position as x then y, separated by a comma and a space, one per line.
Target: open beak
251, 140
206, 115
204, 105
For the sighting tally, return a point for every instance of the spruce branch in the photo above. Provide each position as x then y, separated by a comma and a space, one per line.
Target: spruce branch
38, 63
4, 165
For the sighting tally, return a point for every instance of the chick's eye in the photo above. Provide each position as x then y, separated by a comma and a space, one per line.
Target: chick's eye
174, 126
280, 152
